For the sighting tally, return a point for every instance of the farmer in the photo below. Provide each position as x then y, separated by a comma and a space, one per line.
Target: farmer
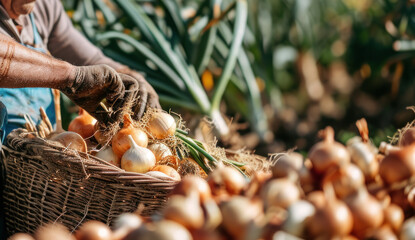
40, 50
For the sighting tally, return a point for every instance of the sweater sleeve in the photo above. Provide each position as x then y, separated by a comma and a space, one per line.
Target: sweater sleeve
67, 43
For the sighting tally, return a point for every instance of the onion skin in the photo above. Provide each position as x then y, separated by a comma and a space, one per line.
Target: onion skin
185, 211
398, 164
328, 153
120, 142
285, 163
161, 125
83, 124
408, 229
53, 231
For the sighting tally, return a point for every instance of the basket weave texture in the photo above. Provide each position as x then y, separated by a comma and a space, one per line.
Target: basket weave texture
46, 183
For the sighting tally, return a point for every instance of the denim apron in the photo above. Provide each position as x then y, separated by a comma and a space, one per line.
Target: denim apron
15, 102
20, 101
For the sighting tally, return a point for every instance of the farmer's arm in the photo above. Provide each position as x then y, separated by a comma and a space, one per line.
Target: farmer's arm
86, 86
23, 67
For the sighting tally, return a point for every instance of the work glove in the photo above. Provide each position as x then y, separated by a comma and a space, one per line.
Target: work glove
94, 84
147, 96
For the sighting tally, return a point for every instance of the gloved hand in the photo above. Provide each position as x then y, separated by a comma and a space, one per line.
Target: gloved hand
93, 84
147, 96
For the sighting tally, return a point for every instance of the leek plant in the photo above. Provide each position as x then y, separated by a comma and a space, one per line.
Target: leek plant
174, 43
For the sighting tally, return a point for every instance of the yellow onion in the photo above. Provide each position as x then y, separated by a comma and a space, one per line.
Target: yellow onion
394, 217
162, 230
70, 140
124, 224
328, 153
298, 214
185, 211
385, 232
366, 210
398, 164
238, 214
226, 180
346, 179
363, 154
83, 124
107, 154
93, 230
408, 229
407, 137
53, 231
137, 159
21, 236
280, 192
120, 142
286, 163
161, 125
192, 183
160, 151
169, 171
332, 217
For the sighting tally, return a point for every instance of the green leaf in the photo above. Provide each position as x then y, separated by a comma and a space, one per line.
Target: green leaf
239, 29
146, 52
202, 57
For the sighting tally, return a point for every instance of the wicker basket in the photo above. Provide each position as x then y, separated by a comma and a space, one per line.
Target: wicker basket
48, 183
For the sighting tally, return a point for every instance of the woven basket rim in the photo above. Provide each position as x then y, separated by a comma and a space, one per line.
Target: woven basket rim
92, 163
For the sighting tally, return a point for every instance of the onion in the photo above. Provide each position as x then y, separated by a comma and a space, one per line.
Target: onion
346, 179
286, 163
213, 215
169, 171
162, 230
53, 231
120, 142
366, 210
363, 153
99, 135
108, 155
332, 217
238, 214
408, 229
328, 152
124, 224
83, 124
383, 233
394, 217
21, 236
398, 164
192, 183
161, 125
93, 230
137, 159
297, 215
185, 211
226, 180
70, 140
160, 150
407, 137
280, 192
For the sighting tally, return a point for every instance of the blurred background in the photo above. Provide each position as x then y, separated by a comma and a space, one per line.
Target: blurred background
278, 70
